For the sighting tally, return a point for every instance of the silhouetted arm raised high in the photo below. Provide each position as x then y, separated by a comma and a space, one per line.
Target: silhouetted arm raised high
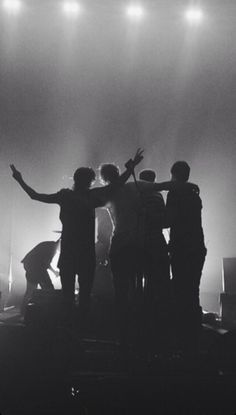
99, 196
41, 197
130, 166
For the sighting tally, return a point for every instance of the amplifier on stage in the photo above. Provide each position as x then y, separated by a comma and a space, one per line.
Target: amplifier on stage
228, 297
228, 309
229, 275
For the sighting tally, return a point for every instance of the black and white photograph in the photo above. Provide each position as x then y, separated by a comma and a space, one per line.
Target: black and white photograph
118, 207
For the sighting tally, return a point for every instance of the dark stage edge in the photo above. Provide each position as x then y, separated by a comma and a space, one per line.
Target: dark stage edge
55, 373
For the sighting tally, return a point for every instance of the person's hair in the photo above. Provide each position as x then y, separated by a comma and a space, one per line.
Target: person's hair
180, 170
148, 175
109, 172
84, 177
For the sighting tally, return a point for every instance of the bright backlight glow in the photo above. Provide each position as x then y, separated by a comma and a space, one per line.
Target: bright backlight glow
71, 8
12, 6
135, 12
194, 15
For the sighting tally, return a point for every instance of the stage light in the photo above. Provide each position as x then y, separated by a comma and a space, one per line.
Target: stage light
135, 12
71, 8
12, 6
194, 15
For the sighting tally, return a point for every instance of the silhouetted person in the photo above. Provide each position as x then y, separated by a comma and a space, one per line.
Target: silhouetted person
147, 175
77, 214
155, 270
138, 246
36, 263
187, 252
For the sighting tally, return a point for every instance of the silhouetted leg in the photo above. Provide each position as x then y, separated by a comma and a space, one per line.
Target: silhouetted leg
187, 270
157, 297
121, 286
85, 278
67, 275
123, 271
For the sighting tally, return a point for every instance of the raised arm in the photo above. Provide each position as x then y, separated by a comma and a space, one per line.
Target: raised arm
130, 166
46, 198
99, 196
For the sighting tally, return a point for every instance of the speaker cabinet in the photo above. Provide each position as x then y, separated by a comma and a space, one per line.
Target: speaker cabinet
228, 310
229, 275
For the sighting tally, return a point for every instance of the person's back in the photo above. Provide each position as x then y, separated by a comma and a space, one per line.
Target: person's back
137, 210
184, 207
187, 255
78, 224
138, 250
41, 255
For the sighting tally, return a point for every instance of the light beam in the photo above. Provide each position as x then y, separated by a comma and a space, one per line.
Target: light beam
135, 11
194, 16
12, 6
71, 8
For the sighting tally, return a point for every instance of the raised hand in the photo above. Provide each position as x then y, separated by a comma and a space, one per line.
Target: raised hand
131, 163
15, 173
138, 157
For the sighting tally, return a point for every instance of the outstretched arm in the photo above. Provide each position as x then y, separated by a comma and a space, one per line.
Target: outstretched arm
175, 185
99, 196
46, 198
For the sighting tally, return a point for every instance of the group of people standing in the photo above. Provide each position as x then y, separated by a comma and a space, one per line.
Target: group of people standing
140, 257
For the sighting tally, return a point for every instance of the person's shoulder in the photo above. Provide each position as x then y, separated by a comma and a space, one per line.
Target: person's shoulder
129, 185
50, 243
149, 186
97, 189
65, 190
142, 184
185, 188
64, 193
41, 245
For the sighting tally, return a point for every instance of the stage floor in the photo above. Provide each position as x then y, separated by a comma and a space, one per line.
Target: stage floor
55, 372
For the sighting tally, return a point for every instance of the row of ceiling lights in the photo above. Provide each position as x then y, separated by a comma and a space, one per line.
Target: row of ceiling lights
73, 8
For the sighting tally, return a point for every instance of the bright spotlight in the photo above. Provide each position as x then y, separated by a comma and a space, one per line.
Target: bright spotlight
135, 12
194, 16
71, 8
12, 6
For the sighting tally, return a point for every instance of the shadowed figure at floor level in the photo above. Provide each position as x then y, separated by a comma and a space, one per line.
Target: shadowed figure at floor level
36, 263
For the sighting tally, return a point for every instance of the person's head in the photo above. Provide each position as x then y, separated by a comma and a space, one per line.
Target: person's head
180, 171
84, 177
148, 175
109, 173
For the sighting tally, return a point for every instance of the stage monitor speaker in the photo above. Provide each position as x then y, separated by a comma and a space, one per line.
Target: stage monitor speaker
229, 275
228, 310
